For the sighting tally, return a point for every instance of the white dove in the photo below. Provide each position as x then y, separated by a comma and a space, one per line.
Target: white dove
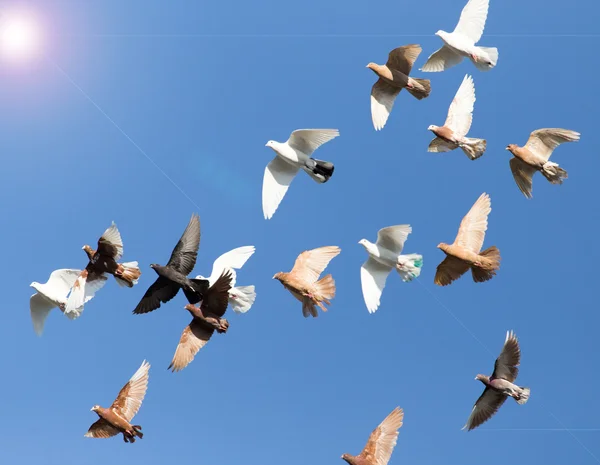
241, 298
292, 155
52, 294
383, 256
461, 42
453, 133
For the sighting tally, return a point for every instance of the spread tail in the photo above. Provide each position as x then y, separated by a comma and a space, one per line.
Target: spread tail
325, 288
409, 266
487, 59
554, 173
491, 263
421, 90
473, 148
128, 274
241, 298
319, 170
523, 396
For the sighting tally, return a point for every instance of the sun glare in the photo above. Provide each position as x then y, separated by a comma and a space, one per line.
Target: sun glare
19, 36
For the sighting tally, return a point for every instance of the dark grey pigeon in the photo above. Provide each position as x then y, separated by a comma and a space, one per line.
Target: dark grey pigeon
173, 276
499, 386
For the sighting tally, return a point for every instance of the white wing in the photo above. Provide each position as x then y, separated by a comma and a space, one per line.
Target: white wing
460, 113
81, 292
235, 258
61, 281
393, 237
472, 19
383, 97
372, 278
113, 236
278, 176
309, 140
39, 308
441, 60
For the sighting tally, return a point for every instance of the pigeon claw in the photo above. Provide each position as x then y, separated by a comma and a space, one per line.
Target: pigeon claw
474, 57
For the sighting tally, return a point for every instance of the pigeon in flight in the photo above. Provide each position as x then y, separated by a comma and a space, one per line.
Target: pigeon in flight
117, 418
381, 443
206, 319
535, 155
292, 155
460, 43
393, 77
500, 385
303, 281
102, 261
465, 252
241, 298
384, 256
50, 295
173, 276
453, 133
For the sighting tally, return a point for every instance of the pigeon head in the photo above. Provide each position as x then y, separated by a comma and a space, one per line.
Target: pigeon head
95, 408
373, 66
271, 144
484, 379
88, 250
511, 147
432, 127
35, 285
278, 276
444, 247
440, 33
348, 458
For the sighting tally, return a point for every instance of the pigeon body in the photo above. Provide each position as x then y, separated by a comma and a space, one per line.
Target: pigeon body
460, 43
117, 418
453, 133
241, 298
173, 276
206, 320
384, 256
465, 253
535, 155
500, 385
393, 77
381, 443
291, 156
50, 295
303, 281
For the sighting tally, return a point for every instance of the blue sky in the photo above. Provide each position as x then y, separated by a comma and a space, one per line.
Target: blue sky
200, 87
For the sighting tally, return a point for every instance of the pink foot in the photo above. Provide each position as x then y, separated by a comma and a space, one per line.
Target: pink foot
474, 57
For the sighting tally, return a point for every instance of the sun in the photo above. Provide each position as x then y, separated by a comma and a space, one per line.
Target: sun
19, 36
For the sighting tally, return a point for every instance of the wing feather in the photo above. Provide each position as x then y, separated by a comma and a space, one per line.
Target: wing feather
473, 226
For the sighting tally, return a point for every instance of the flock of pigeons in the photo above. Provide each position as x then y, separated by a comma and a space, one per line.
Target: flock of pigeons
71, 289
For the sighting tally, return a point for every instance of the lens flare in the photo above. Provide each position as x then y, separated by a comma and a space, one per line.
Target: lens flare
19, 36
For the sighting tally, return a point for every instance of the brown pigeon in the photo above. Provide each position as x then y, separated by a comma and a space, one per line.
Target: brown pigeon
393, 77
302, 280
381, 443
117, 418
465, 252
102, 261
535, 155
206, 319
499, 386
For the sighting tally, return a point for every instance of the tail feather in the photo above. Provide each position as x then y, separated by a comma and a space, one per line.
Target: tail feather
523, 395
308, 308
325, 287
241, 298
554, 173
422, 90
409, 266
129, 275
319, 170
487, 59
490, 265
473, 148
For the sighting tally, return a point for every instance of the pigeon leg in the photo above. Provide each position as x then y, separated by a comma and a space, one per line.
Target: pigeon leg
474, 57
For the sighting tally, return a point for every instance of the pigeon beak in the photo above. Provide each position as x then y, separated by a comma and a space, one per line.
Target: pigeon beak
92, 409
506, 148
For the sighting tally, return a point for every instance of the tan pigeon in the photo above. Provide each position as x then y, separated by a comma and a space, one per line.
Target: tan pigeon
535, 155
465, 252
393, 77
302, 280
381, 443
453, 133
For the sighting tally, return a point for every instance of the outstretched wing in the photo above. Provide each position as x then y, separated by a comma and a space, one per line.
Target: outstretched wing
162, 290
403, 58
194, 337
110, 243
486, 406
309, 140
473, 226
383, 96
278, 176
441, 60
131, 396
382, 441
542, 142
460, 113
472, 19
509, 359
235, 258
101, 429
183, 257
393, 237
311, 263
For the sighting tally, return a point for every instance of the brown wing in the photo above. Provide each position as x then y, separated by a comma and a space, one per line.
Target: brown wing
194, 337
450, 270
471, 232
523, 174
110, 243
486, 406
101, 429
542, 142
403, 58
183, 257
311, 263
383, 439
130, 398
216, 297
509, 359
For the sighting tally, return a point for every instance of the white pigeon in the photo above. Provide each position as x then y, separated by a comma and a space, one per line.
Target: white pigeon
292, 155
51, 294
453, 133
461, 42
383, 256
241, 298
